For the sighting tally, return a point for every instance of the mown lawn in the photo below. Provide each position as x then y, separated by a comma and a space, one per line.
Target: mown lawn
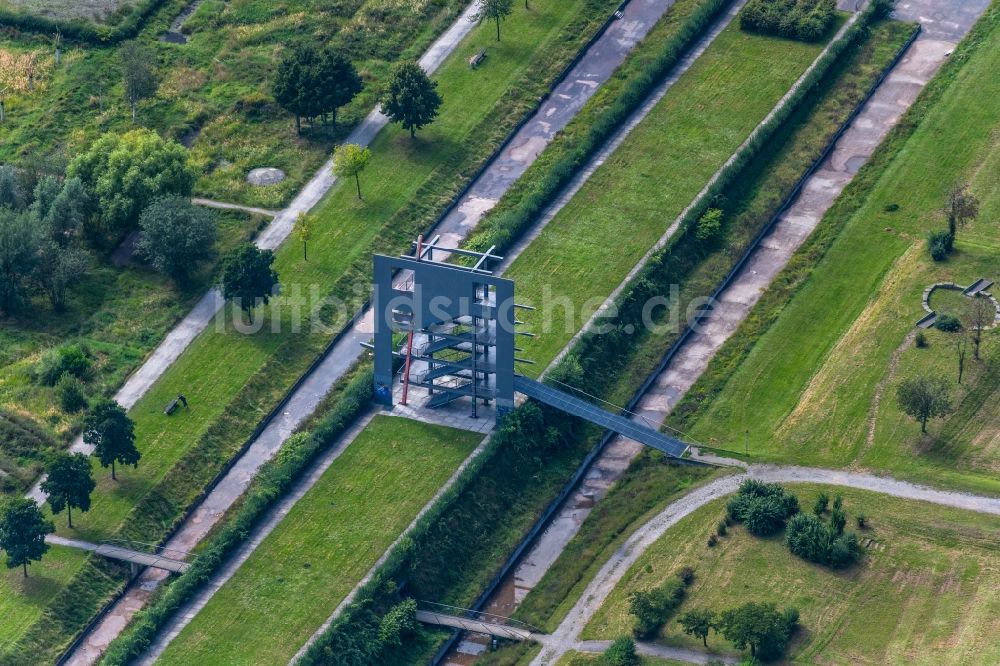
628, 203
924, 592
818, 387
23, 600
325, 544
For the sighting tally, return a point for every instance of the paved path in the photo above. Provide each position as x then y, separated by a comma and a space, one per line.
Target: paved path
222, 205
123, 554
567, 635
593, 69
943, 26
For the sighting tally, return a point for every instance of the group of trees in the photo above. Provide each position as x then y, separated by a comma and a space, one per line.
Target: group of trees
40, 250
761, 627
311, 82
762, 507
68, 484
808, 537
652, 608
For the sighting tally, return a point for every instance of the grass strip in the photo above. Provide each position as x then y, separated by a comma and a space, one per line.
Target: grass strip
327, 542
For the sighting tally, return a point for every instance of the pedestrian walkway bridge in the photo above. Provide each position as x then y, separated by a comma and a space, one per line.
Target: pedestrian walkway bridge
479, 622
614, 422
119, 551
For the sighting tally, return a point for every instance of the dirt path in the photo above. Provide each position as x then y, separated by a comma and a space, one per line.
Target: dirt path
567, 635
890, 373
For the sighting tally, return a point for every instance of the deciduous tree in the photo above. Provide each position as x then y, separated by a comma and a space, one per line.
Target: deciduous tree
69, 484
494, 10
112, 434
759, 626
304, 224
176, 235
924, 398
349, 160
22, 532
961, 207
980, 314
411, 98
138, 73
247, 276
698, 622
20, 242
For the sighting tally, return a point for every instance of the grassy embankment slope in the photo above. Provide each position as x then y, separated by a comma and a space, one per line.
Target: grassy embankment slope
924, 592
325, 544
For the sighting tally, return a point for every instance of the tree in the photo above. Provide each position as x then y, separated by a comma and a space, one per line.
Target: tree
621, 652
961, 208
763, 508
247, 276
494, 10
349, 160
22, 532
337, 82
11, 195
304, 224
176, 235
138, 73
112, 434
20, 242
822, 502
123, 173
759, 626
924, 398
69, 484
978, 317
961, 349
58, 268
652, 608
697, 622
411, 98
64, 218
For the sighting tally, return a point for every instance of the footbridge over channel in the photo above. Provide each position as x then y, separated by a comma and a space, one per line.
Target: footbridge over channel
121, 551
476, 621
602, 417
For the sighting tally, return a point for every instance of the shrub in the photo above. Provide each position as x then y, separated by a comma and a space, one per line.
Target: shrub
763, 508
947, 323
721, 528
938, 244
862, 521
686, 575
709, 226
822, 501
71, 395
891, 208
838, 521
920, 340
652, 608
621, 652
805, 20
712, 541
811, 539
54, 363
761, 627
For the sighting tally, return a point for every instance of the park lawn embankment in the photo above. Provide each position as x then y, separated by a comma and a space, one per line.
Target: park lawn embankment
628, 203
923, 593
232, 380
214, 91
326, 543
22, 600
811, 370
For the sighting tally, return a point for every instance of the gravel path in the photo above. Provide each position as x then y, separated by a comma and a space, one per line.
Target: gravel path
567, 636
222, 205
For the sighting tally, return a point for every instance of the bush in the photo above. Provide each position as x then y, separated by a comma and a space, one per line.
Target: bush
822, 501
54, 363
712, 541
920, 340
838, 521
652, 608
811, 539
721, 528
763, 508
686, 575
948, 323
621, 652
805, 20
709, 226
71, 395
862, 521
939, 244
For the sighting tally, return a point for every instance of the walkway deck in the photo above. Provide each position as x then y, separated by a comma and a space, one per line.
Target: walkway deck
122, 554
469, 624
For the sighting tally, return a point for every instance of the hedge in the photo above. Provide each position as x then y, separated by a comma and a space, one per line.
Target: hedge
87, 31
806, 20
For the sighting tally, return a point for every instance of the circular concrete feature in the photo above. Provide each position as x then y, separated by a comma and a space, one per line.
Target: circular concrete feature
265, 176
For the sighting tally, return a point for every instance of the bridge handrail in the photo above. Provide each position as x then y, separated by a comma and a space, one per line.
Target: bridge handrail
158, 551
468, 613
